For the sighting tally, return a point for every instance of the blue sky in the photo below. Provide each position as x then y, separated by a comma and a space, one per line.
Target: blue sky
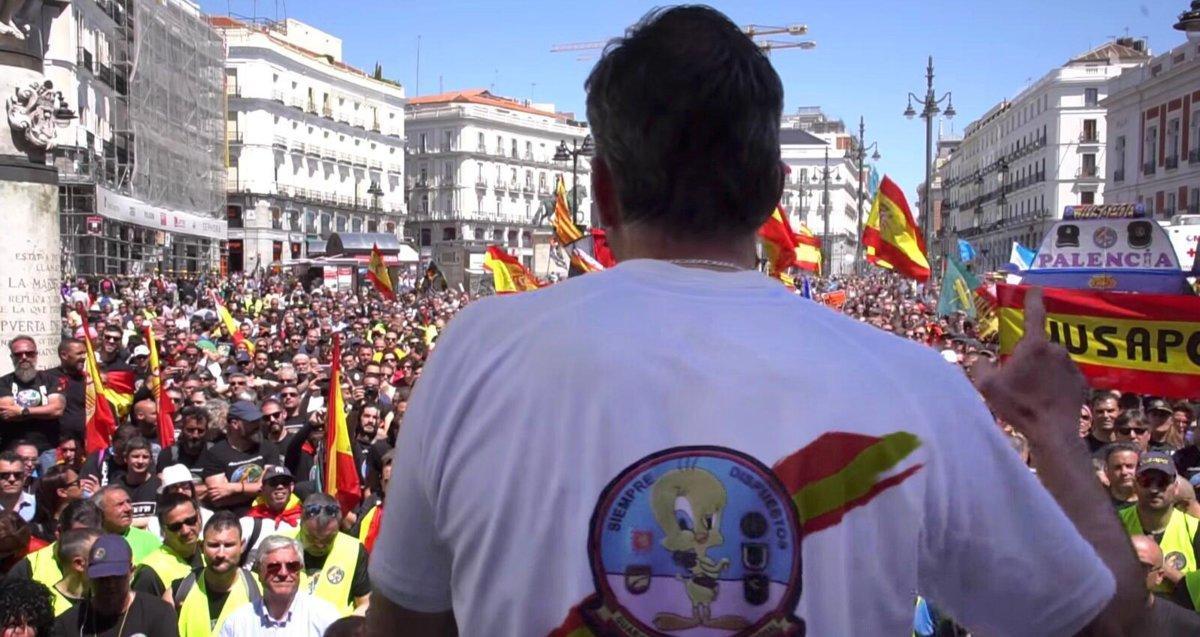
869, 55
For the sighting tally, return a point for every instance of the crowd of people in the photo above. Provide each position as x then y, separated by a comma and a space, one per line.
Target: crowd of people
230, 530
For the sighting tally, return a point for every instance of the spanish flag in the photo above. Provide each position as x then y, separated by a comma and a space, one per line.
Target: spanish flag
564, 223
778, 241
508, 274
166, 408
377, 273
231, 325
341, 475
99, 419
892, 238
808, 250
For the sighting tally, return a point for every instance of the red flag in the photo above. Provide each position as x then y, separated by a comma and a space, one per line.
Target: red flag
341, 474
166, 408
100, 421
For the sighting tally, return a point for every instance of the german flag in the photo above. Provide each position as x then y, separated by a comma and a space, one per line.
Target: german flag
892, 238
377, 274
100, 421
166, 408
508, 274
341, 476
778, 241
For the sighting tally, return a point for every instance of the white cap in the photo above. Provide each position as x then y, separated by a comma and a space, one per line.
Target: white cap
950, 356
140, 350
176, 474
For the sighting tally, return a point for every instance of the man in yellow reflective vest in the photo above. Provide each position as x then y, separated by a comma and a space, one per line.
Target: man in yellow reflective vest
42, 564
74, 546
335, 563
1155, 515
206, 597
179, 555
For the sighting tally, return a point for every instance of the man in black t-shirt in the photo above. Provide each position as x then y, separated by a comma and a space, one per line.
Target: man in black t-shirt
30, 404
112, 609
68, 380
138, 481
233, 468
192, 441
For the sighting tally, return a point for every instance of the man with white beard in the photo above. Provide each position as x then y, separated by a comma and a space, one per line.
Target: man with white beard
30, 401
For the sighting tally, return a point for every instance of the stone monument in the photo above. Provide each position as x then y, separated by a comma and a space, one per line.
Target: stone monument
30, 248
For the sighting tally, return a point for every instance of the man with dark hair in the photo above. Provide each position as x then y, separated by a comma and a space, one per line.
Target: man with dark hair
26, 608
672, 487
1120, 463
1104, 420
139, 481
13, 496
30, 400
205, 597
68, 380
179, 519
233, 468
192, 441
72, 554
42, 564
110, 607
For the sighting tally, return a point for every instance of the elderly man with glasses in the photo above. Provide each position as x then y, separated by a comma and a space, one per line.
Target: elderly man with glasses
30, 400
284, 609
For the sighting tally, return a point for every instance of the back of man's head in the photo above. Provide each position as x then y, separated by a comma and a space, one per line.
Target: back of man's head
685, 113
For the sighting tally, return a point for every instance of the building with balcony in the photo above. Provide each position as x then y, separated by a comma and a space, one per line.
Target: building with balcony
1026, 158
805, 138
140, 169
315, 146
1154, 133
940, 245
483, 168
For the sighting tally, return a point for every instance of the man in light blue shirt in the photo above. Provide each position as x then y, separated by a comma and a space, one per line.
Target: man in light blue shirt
284, 611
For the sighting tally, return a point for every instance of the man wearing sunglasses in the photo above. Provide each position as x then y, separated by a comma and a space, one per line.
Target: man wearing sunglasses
1155, 515
285, 610
12, 487
335, 562
30, 401
206, 598
179, 519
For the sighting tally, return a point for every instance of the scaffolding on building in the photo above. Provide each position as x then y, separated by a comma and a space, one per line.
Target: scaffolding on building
176, 106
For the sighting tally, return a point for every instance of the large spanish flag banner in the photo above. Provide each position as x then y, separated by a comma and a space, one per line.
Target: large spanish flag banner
377, 274
99, 419
1141, 343
508, 275
778, 241
166, 408
893, 240
341, 476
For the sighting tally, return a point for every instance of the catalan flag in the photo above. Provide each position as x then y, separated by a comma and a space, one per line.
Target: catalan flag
377, 273
231, 325
808, 250
892, 238
508, 274
166, 408
564, 222
778, 241
341, 475
99, 419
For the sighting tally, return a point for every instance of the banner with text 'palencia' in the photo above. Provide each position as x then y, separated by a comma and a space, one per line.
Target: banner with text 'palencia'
1142, 343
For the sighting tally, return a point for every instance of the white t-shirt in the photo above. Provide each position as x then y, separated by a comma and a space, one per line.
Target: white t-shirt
622, 423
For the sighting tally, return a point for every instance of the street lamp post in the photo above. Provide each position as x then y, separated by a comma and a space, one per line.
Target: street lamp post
826, 246
928, 111
862, 156
563, 153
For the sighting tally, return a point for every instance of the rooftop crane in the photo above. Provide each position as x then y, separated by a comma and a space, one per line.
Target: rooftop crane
755, 31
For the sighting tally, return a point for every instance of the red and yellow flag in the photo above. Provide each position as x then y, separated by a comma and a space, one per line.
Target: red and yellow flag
564, 223
99, 419
341, 474
377, 273
778, 241
1140, 343
166, 408
892, 238
231, 325
508, 274
808, 250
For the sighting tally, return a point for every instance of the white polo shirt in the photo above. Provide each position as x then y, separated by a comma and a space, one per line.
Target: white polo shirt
308, 617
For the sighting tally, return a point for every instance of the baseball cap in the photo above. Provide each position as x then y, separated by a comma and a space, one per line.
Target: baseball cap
1157, 404
110, 557
245, 411
140, 350
1156, 461
275, 472
176, 474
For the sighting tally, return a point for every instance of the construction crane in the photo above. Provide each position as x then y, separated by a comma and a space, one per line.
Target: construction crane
755, 31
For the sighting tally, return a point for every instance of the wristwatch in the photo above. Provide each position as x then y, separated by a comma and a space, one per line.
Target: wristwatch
25, 412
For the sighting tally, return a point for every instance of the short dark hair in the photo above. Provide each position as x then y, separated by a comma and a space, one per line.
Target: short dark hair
9, 456
1130, 415
26, 601
169, 501
74, 543
352, 626
14, 534
137, 443
221, 521
80, 512
685, 113
66, 343
192, 412
1116, 447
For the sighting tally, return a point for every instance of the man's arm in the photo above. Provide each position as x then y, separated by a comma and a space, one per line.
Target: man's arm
1038, 392
384, 615
55, 404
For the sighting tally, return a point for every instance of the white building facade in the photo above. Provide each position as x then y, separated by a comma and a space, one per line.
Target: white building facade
810, 144
481, 169
315, 146
1154, 134
140, 171
1026, 158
